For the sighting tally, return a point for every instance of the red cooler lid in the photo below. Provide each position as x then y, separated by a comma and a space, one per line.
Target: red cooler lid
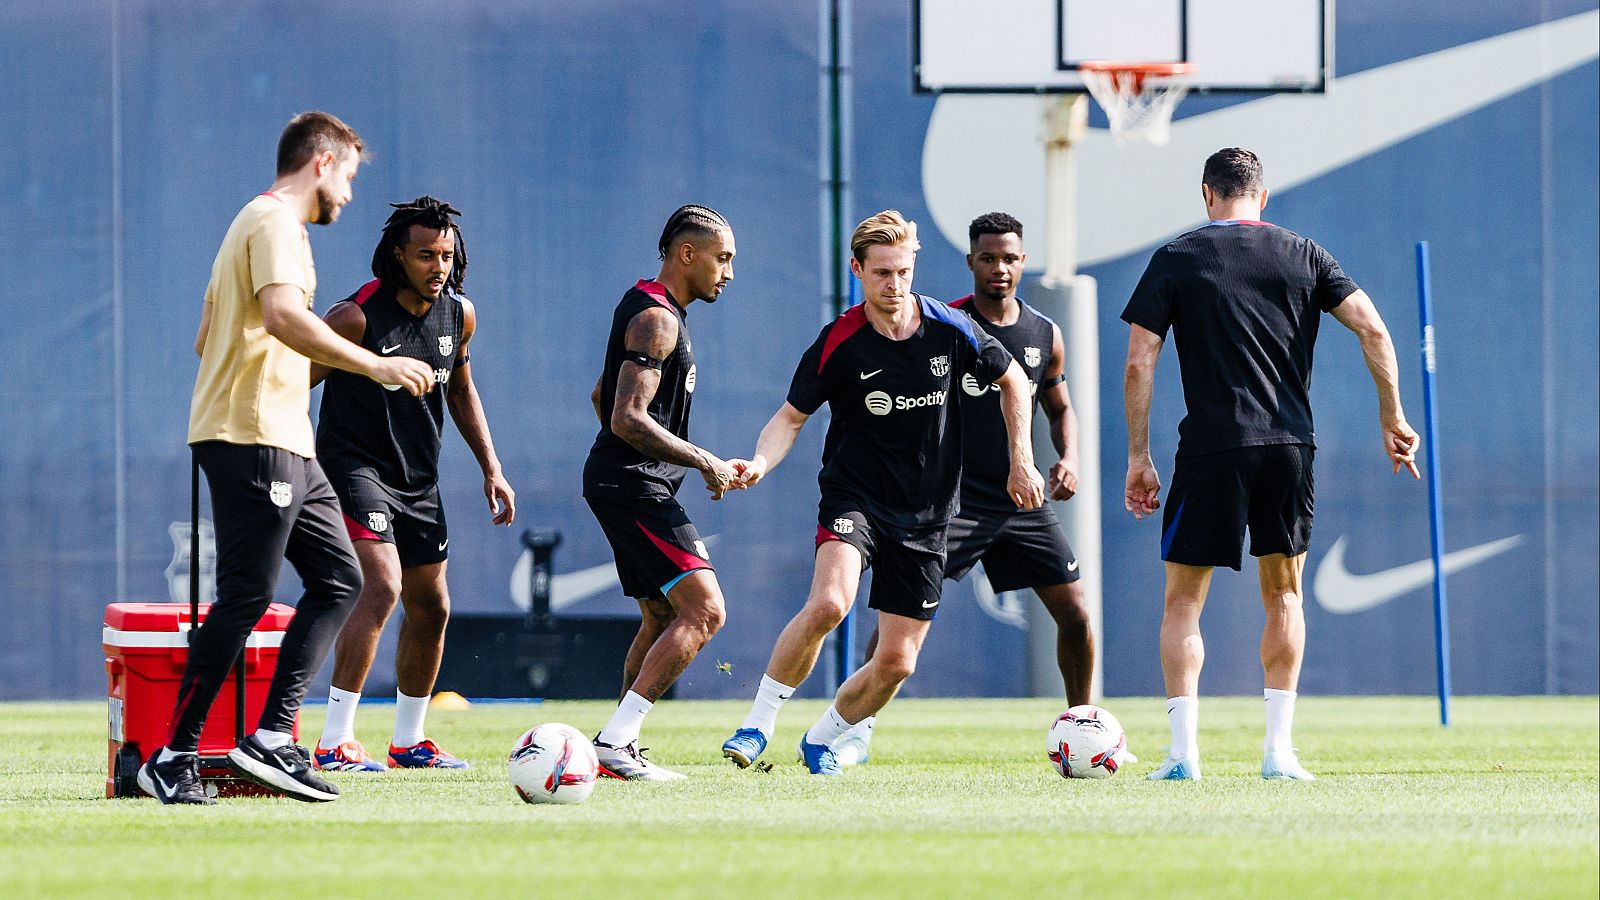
171, 617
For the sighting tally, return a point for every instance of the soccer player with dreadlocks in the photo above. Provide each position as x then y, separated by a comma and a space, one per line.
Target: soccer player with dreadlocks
636, 466
380, 448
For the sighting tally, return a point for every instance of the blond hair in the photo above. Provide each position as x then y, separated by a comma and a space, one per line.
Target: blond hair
887, 227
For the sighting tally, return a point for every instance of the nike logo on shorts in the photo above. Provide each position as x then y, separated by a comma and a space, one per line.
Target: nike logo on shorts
1071, 566
445, 544
388, 350
928, 605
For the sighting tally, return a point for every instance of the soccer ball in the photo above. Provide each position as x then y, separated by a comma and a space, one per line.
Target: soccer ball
553, 763
1084, 742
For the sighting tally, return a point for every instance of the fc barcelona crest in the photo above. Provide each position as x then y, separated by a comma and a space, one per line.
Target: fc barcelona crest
1031, 355
447, 345
940, 365
281, 494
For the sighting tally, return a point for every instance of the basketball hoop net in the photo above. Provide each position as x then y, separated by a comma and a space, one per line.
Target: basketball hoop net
1138, 97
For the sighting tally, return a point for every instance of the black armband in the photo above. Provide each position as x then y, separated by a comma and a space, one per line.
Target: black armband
641, 359
1049, 383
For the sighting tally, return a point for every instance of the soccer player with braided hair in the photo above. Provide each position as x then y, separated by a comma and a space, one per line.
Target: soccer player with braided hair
380, 448
637, 464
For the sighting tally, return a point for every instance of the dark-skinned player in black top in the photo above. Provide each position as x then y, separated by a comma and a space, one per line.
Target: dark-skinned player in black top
380, 448
1018, 548
891, 467
638, 462
1243, 300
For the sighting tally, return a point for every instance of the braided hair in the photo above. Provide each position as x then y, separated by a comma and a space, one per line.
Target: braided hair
429, 213
691, 220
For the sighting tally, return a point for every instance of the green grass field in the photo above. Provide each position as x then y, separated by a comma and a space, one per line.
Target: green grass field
957, 801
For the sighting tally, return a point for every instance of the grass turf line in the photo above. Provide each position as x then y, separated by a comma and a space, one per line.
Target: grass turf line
957, 801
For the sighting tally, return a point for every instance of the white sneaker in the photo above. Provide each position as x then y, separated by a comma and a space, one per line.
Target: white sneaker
1284, 765
1177, 770
628, 763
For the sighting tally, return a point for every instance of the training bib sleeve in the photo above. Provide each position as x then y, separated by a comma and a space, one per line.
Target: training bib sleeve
988, 360
1150, 307
1332, 284
808, 390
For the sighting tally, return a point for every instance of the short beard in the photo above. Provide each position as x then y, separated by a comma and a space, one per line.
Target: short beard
327, 210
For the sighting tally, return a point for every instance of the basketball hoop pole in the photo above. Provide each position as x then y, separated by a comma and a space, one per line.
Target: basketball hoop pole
1070, 299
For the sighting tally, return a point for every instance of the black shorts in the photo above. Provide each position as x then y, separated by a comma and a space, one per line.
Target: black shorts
653, 540
1214, 497
413, 521
907, 564
1018, 550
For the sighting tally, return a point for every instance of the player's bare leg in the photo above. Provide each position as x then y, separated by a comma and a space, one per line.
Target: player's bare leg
426, 599
868, 690
1183, 653
833, 591
354, 651
697, 614
1283, 645
655, 614
1075, 647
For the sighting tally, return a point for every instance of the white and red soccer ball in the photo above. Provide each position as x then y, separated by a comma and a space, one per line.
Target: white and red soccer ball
1084, 742
553, 763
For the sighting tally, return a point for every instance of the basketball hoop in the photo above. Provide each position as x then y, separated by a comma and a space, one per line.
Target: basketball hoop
1138, 97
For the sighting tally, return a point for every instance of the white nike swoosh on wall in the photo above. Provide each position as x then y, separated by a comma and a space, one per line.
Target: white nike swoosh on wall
1339, 591
1137, 195
568, 589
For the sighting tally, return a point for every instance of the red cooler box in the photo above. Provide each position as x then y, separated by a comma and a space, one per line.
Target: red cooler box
146, 646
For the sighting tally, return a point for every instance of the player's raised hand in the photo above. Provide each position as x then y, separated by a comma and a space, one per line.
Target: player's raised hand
719, 476
1025, 487
414, 375
1143, 486
1400, 441
502, 499
747, 472
1064, 479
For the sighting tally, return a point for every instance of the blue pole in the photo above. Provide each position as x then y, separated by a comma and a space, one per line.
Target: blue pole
1441, 604
845, 644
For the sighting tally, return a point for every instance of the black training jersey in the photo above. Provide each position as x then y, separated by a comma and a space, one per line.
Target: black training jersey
985, 449
1243, 300
894, 444
364, 424
615, 468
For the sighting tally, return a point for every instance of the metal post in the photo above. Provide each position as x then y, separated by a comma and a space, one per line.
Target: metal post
1071, 299
1441, 603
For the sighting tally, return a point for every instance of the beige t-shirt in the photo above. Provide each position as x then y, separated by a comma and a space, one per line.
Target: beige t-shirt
253, 389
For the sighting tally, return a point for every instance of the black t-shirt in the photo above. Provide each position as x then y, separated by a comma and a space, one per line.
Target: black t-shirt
1244, 300
894, 444
366, 425
985, 449
614, 467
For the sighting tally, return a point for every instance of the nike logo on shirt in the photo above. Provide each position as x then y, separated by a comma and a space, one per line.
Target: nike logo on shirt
866, 375
388, 350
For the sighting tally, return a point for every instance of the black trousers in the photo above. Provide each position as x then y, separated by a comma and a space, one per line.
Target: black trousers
268, 505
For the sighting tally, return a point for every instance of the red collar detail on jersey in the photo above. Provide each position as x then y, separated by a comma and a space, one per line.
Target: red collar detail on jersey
367, 290
847, 324
957, 304
657, 291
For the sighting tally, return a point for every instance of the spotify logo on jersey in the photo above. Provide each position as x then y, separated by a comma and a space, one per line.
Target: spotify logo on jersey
879, 403
688, 381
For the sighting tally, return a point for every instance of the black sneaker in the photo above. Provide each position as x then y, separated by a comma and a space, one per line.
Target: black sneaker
175, 781
286, 770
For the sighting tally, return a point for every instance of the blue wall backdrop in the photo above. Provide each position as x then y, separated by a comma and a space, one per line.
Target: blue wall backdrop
568, 132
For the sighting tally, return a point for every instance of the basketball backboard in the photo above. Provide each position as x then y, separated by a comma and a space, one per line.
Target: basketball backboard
1035, 46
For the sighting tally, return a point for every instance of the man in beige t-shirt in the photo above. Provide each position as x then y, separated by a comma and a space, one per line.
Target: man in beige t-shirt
250, 430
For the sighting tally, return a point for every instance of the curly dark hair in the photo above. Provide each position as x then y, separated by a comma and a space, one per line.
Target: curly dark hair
993, 223
428, 212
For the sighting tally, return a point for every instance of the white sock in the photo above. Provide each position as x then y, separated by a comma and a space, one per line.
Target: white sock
273, 740
168, 754
623, 728
1280, 719
1183, 714
863, 729
828, 728
409, 714
341, 724
764, 711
